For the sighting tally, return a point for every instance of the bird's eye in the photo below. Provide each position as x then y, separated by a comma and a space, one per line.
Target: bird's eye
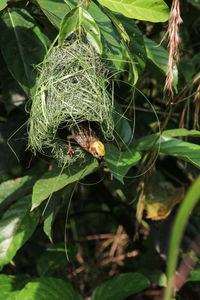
97, 153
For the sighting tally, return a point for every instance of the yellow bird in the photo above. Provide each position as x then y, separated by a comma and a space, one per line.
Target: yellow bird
87, 139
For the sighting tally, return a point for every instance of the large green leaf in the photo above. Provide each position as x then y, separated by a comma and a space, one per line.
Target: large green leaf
171, 146
136, 44
112, 49
181, 132
10, 285
22, 45
120, 162
56, 258
54, 180
17, 225
159, 57
125, 39
120, 287
54, 10
3, 4
79, 19
47, 288
132, 40
123, 130
191, 199
148, 10
13, 189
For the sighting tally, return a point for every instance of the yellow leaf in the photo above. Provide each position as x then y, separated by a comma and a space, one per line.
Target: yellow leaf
160, 204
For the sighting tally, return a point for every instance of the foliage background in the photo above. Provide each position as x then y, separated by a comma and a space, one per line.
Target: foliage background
67, 232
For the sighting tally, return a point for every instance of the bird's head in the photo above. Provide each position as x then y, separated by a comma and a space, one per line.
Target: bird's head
97, 150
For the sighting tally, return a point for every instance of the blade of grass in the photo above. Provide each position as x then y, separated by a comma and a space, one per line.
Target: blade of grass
180, 223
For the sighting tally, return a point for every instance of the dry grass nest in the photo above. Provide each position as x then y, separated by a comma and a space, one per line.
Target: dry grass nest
71, 89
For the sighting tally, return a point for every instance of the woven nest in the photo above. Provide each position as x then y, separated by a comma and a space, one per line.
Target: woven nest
71, 89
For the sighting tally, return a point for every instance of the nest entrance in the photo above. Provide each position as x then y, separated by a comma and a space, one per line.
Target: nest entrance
71, 89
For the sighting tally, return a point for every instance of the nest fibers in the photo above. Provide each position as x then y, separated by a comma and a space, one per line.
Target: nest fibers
71, 89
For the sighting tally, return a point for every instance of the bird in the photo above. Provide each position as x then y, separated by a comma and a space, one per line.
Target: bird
88, 140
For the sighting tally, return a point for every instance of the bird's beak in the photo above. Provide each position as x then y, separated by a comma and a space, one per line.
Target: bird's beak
99, 159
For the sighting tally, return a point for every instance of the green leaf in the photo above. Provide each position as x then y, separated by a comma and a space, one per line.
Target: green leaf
123, 130
171, 146
22, 45
136, 44
54, 180
181, 132
112, 49
125, 42
56, 258
70, 23
54, 10
147, 10
79, 19
13, 295
48, 222
10, 284
120, 287
195, 275
191, 199
53, 207
159, 57
46, 288
130, 33
120, 162
17, 225
51, 211
3, 4
10, 89
11, 190
157, 277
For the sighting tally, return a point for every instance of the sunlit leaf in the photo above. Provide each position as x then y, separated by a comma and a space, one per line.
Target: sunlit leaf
171, 146
23, 46
54, 10
55, 180
13, 189
148, 10
79, 19
112, 48
132, 40
48, 222
181, 132
10, 284
17, 225
159, 56
120, 287
119, 162
47, 288
3, 4
136, 45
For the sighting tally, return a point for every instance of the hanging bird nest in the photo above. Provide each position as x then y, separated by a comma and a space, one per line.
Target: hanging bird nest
71, 89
